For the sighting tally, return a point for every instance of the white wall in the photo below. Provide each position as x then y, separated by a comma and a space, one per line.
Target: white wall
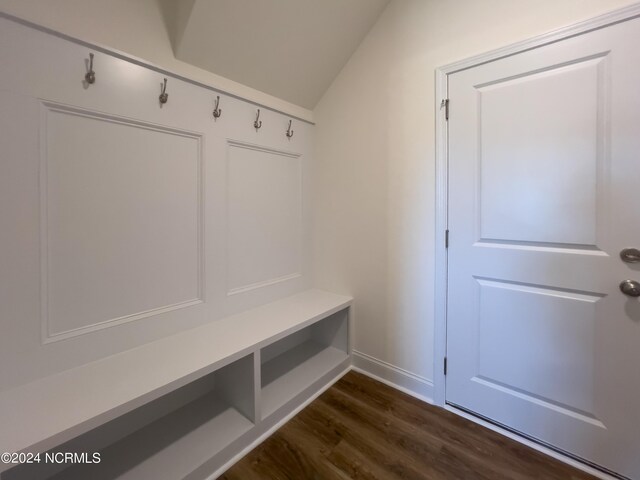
375, 150
135, 27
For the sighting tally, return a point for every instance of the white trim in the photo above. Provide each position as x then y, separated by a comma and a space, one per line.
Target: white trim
240, 455
441, 257
261, 148
156, 68
616, 16
398, 378
265, 283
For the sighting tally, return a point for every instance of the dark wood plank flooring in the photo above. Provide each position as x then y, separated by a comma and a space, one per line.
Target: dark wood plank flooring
363, 429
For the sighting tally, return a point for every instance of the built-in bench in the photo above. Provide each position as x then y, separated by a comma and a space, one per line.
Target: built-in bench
178, 407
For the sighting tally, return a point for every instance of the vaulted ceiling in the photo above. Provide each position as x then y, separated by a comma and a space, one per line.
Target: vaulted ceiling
291, 49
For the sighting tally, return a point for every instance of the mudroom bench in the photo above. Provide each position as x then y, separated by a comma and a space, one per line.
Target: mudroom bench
178, 407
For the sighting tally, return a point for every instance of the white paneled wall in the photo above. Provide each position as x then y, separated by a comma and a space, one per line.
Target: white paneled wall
254, 205
124, 220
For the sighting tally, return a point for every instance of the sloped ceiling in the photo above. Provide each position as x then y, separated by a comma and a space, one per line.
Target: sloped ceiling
291, 49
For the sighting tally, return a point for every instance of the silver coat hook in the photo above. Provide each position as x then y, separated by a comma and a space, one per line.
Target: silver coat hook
164, 96
90, 76
289, 131
257, 124
217, 111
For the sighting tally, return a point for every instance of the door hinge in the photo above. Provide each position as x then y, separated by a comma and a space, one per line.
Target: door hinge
445, 104
445, 365
446, 239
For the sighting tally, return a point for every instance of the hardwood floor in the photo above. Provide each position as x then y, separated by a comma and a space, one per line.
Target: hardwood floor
363, 429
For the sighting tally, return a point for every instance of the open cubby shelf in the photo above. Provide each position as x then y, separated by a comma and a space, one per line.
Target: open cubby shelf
189, 418
289, 366
294, 371
173, 446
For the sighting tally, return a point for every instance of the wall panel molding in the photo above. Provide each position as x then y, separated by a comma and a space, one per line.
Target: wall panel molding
49, 332
266, 283
262, 148
265, 215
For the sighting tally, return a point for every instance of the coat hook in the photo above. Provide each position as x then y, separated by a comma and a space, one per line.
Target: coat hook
164, 96
257, 124
217, 111
90, 76
289, 131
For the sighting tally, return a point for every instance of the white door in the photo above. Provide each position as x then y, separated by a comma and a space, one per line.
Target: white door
544, 172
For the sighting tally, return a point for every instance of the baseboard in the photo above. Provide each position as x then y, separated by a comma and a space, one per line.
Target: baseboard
398, 378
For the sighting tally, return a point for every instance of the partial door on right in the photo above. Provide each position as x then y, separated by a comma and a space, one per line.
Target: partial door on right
544, 195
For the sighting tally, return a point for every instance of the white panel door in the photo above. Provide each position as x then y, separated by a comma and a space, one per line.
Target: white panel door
544, 169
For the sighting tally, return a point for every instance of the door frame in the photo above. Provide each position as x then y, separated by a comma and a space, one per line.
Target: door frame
442, 181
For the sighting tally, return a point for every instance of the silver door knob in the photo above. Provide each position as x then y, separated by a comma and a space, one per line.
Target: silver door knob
631, 288
630, 255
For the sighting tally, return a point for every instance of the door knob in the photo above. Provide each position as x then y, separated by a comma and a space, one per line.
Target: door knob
630, 255
631, 288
